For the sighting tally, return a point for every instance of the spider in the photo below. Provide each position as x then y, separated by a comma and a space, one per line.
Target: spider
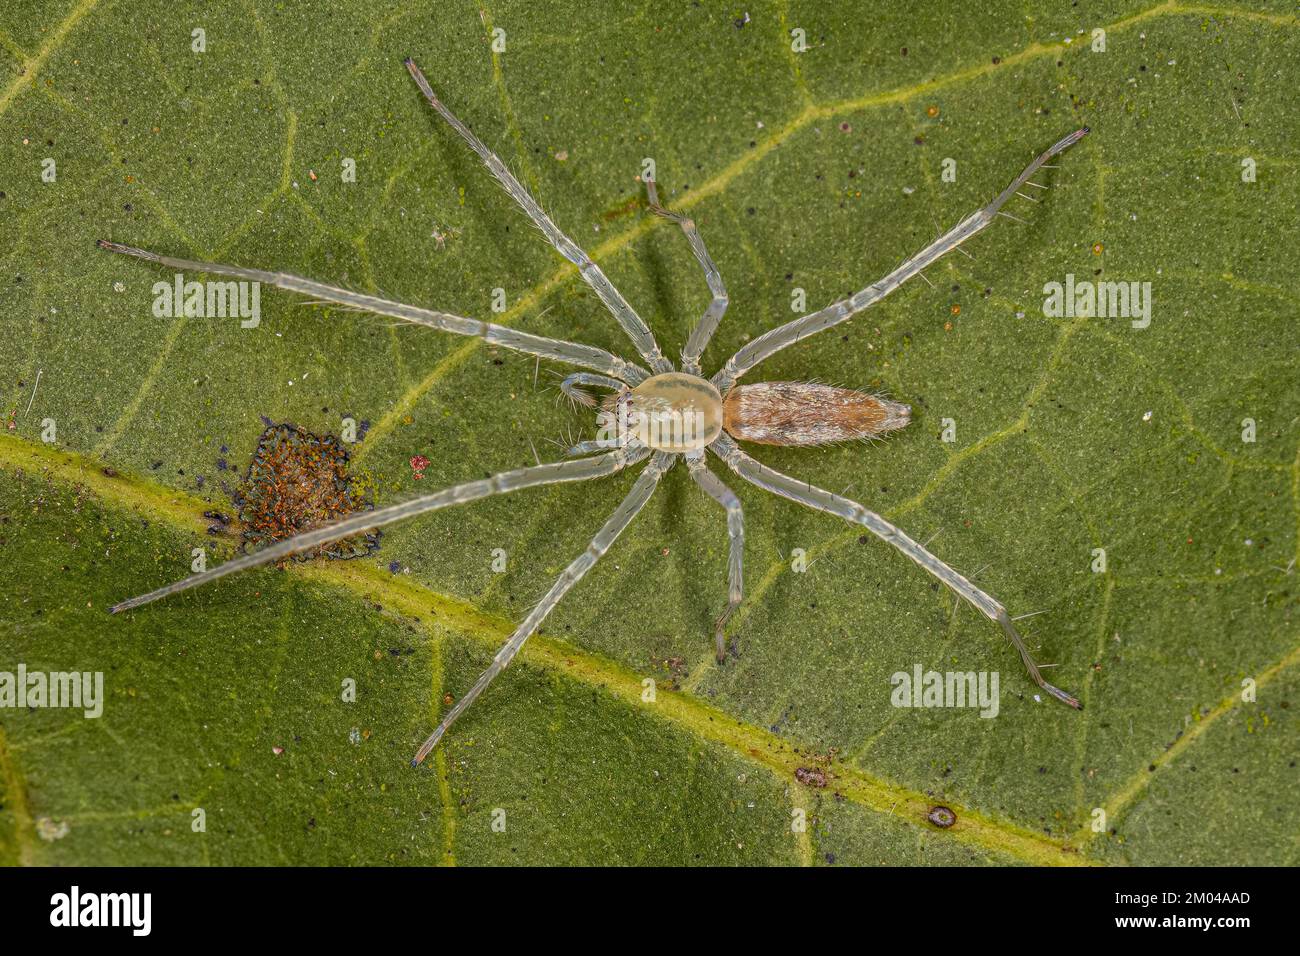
653, 412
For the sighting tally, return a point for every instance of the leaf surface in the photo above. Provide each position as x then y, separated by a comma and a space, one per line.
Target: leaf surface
817, 171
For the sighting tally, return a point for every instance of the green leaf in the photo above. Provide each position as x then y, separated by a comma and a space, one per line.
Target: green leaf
818, 170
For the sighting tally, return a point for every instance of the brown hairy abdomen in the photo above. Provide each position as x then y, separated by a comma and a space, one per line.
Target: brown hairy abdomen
805, 413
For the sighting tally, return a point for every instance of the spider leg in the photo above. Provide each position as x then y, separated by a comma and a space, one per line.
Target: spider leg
618, 306
500, 483
573, 353
620, 519
589, 446
708, 323
724, 496
771, 342
819, 500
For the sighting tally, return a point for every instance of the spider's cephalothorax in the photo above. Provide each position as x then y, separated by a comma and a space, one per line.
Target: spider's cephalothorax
672, 411
659, 414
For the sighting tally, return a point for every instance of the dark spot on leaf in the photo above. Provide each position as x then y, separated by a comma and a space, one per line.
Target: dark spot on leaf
942, 817
811, 776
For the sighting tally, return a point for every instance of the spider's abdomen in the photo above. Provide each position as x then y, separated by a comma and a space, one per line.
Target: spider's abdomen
806, 413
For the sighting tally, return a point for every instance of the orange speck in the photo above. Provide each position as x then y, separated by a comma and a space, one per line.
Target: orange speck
932, 111
1096, 248
947, 326
956, 309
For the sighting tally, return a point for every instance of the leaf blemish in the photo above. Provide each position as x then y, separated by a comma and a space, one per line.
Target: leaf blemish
942, 817
298, 480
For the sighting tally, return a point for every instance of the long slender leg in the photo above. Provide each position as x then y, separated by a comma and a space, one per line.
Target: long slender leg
501, 483
708, 323
573, 353
620, 519
773, 341
814, 497
724, 496
632, 323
